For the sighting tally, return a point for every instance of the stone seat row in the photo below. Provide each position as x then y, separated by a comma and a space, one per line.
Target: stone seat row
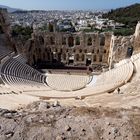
20, 58
132, 88
4, 53
21, 75
116, 75
106, 82
22, 84
136, 60
67, 82
12, 67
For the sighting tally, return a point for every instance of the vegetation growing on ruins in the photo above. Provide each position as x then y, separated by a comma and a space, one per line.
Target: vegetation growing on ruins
22, 32
124, 31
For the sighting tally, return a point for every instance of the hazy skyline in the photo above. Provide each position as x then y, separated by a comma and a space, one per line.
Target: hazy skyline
67, 4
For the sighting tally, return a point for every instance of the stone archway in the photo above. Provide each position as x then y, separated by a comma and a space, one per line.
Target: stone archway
70, 41
88, 60
77, 57
83, 57
77, 40
63, 40
89, 41
52, 40
41, 40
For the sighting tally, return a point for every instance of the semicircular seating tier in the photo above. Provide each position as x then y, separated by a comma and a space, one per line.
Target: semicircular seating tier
118, 76
20, 58
21, 75
136, 60
64, 82
4, 53
106, 82
133, 88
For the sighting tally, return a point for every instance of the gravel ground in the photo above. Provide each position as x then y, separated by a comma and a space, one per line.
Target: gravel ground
51, 121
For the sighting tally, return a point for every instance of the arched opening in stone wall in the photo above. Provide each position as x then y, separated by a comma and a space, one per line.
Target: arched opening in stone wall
38, 55
52, 40
51, 56
61, 50
38, 60
31, 45
88, 60
100, 58
71, 59
77, 40
39, 50
64, 56
46, 50
80, 51
41, 40
77, 57
34, 60
43, 56
48, 56
85, 51
1, 30
89, 41
56, 50
36, 50
94, 58
102, 40
70, 41
63, 40
59, 57
83, 57
54, 56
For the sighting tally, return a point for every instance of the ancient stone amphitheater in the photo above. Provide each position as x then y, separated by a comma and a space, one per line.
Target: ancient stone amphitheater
21, 84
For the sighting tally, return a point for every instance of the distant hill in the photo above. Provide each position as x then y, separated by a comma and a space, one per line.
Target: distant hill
129, 15
9, 9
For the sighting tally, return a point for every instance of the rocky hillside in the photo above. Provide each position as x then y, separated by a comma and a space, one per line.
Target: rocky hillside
46, 121
128, 15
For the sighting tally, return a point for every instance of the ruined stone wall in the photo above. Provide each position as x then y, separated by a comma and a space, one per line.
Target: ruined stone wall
69, 48
5, 25
83, 48
137, 39
121, 46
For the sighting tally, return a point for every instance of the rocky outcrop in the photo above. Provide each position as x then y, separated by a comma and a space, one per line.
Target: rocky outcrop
5, 24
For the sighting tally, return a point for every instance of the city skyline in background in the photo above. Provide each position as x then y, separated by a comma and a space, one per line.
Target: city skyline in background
67, 4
